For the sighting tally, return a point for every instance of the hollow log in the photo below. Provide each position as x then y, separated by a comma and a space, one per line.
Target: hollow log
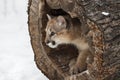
101, 27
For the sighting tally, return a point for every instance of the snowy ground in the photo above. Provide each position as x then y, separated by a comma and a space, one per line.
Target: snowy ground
16, 55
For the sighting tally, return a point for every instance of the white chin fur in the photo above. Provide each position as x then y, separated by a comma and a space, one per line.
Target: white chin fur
52, 46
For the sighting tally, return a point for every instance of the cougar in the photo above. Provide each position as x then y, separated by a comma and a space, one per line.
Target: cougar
62, 30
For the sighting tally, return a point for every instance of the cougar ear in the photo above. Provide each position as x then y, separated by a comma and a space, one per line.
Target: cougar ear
61, 21
49, 17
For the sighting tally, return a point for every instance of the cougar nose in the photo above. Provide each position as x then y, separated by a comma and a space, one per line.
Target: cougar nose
47, 42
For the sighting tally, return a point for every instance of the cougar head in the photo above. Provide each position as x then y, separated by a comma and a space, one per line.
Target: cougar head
56, 31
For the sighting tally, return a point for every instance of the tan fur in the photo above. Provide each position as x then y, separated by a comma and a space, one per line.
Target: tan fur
71, 35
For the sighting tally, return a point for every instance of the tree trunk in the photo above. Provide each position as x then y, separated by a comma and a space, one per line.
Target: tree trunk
101, 21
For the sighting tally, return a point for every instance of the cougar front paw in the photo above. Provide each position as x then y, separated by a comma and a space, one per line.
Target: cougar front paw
75, 69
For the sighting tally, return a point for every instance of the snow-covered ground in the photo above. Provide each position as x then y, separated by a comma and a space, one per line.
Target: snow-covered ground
16, 55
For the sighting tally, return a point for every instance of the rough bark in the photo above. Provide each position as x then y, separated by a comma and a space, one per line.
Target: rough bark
102, 32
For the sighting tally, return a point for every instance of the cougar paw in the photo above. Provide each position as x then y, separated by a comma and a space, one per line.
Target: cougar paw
76, 69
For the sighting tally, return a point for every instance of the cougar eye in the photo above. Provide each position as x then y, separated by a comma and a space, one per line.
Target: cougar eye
52, 33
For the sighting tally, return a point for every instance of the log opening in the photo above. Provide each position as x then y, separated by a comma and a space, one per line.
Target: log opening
62, 55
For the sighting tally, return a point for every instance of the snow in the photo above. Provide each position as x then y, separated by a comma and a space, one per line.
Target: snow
16, 55
105, 13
